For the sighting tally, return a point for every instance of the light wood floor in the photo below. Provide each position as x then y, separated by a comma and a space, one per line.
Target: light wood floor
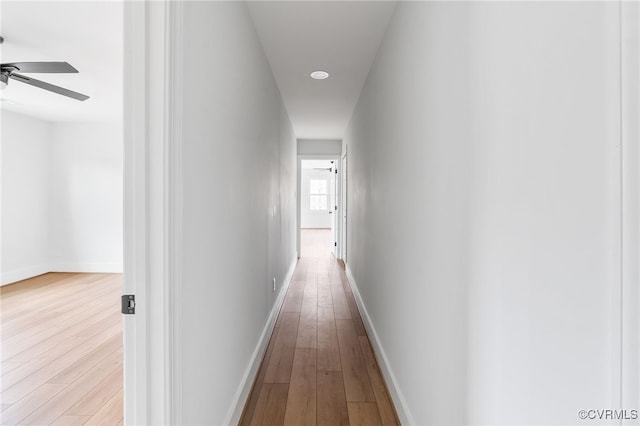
61, 350
319, 368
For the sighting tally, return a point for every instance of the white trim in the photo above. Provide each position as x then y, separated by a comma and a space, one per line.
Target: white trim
298, 204
16, 275
397, 397
11, 277
135, 198
112, 268
149, 127
343, 210
174, 44
159, 214
249, 376
613, 207
630, 147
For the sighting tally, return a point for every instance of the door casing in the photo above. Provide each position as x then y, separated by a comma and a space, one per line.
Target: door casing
152, 120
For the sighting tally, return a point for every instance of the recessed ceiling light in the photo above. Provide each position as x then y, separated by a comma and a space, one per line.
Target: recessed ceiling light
319, 75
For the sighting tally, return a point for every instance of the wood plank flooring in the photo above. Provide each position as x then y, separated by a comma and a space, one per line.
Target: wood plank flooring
61, 350
319, 367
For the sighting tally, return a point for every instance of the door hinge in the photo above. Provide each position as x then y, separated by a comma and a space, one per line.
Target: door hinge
128, 304
336, 171
335, 244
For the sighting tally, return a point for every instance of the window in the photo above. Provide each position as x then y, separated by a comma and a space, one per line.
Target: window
318, 195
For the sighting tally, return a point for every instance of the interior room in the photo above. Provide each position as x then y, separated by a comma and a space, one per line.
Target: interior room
318, 194
61, 234
319, 198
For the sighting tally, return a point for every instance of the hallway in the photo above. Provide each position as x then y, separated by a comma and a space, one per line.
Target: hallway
487, 200
319, 367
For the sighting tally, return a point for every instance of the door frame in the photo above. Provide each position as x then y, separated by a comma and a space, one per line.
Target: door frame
151, 129
342, 244
336, 159
629, 168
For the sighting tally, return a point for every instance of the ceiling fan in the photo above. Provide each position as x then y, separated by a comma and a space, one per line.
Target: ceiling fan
9, 71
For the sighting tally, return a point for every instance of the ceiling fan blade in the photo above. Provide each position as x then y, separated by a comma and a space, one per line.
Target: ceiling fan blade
41, 67
50, 87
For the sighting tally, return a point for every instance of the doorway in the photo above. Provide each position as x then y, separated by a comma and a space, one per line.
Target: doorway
319, 202
62, 221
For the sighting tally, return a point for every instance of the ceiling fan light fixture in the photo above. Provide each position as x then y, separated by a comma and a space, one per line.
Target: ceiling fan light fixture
319, 75
8, 71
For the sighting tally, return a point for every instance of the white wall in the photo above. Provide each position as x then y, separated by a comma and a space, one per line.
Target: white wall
319, 146
482, 210
314, 218
407, 196
86, 197
24, 232
238, 187
61, 197
544, 272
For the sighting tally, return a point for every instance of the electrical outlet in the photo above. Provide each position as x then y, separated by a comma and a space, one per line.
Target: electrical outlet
274, 283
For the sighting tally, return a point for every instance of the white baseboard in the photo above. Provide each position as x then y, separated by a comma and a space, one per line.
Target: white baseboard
239, 400
114, 267
16, 275
11, 277
396, 394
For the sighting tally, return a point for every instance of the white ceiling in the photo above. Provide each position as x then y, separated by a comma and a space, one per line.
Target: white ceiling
340, 37
88, 35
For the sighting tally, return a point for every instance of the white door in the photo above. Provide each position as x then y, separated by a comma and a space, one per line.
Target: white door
333, 208
343, 209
